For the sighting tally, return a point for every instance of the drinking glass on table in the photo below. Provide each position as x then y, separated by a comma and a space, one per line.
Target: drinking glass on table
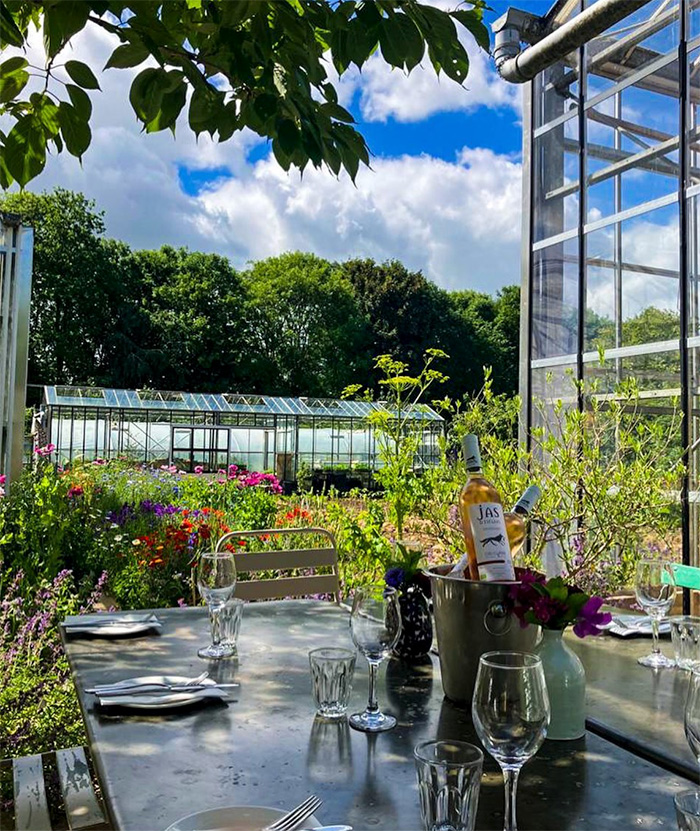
449, 778
688, 810
510, 711
216, 580
375, 626
655, 587
691, 717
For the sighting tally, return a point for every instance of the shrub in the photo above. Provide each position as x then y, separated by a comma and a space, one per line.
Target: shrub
38, 707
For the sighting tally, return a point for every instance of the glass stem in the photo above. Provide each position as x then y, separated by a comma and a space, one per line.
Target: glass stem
372, 706
510, 780
655, 636
214, 623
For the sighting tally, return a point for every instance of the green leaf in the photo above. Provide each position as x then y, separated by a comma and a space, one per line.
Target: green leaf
61, 21
170, 108
401, 42
13, 79
25, 150
472, 20
361, 41
80, 100
127, 55
10, 35
5, 181
147, 91
265, 105
75, 130
288, 136
337, 112
82, 74
46, 112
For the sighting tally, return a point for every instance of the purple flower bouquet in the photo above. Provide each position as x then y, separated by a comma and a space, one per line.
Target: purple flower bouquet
552, 604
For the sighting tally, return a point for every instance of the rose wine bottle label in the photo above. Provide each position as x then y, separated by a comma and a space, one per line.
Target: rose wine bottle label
491, 546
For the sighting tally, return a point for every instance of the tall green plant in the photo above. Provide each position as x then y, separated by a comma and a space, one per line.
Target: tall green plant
609, 474
399, 429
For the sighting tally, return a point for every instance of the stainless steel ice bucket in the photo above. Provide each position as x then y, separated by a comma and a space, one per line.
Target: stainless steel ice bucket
471, 618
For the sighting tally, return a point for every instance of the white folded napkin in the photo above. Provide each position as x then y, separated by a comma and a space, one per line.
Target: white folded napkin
630, 626
107, 621
165, 698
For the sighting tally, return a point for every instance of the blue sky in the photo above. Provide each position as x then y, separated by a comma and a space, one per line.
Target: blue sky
443, 194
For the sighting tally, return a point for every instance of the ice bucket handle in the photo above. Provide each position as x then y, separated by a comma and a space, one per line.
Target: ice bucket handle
498, 612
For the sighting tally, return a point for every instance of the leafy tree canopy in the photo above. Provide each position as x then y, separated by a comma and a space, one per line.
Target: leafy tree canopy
230, 65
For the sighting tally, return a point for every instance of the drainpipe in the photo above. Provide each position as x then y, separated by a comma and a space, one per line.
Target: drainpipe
518, 66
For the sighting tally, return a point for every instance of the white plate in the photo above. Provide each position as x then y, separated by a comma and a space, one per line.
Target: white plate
235, 818
161, 701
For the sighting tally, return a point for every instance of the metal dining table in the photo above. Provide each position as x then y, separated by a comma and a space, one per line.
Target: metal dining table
638, 708
266, 747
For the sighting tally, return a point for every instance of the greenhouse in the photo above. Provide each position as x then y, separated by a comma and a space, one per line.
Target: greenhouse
611, 212
326, 438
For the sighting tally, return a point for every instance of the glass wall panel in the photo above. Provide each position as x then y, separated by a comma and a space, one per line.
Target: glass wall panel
632, 281
634, 43
555, 300
555, 159
632, 148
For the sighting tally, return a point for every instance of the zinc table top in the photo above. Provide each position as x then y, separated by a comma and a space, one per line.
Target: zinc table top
266, 747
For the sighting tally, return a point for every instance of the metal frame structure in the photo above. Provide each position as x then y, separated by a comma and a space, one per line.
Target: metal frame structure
611, 222
16, 254
214, 430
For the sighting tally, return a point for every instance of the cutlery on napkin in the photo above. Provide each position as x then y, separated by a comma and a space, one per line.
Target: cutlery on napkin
107, 621
162, 697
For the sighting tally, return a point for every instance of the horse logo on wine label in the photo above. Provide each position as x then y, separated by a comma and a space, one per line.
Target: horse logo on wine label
496, 540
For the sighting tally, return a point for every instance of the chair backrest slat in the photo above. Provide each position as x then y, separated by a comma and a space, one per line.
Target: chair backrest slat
82, 807
282, 560
31, 807
281, 587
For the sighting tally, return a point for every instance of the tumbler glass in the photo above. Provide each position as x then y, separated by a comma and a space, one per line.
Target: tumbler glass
685, 635
688, 810
449, 777
331, 680
230, 621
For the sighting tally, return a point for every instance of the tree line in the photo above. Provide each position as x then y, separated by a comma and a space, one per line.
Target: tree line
295, 324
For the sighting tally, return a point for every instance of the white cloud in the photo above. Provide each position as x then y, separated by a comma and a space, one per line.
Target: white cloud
390, 93
459, 222
447, 219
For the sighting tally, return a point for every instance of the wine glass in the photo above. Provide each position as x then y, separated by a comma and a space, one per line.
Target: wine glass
216, 580
655, 587
375, 626
510, 711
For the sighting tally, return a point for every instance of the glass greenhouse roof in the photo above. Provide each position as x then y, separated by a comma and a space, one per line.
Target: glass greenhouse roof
220, 402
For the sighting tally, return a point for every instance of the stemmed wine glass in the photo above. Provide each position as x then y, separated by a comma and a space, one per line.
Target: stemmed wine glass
216, 580
375, 626
510, 711
655, 587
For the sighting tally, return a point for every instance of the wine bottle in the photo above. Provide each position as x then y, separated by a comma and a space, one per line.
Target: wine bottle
515, 519
483, 522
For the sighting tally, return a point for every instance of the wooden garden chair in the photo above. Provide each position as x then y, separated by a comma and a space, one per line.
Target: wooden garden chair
277, 588
37, 807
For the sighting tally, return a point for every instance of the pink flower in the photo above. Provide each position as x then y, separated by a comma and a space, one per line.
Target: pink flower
3, 478
198, 469
590, 619
47, 450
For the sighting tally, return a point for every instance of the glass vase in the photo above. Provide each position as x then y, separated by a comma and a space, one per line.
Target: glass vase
566, 686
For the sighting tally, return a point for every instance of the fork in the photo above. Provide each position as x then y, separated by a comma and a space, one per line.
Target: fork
295, 817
